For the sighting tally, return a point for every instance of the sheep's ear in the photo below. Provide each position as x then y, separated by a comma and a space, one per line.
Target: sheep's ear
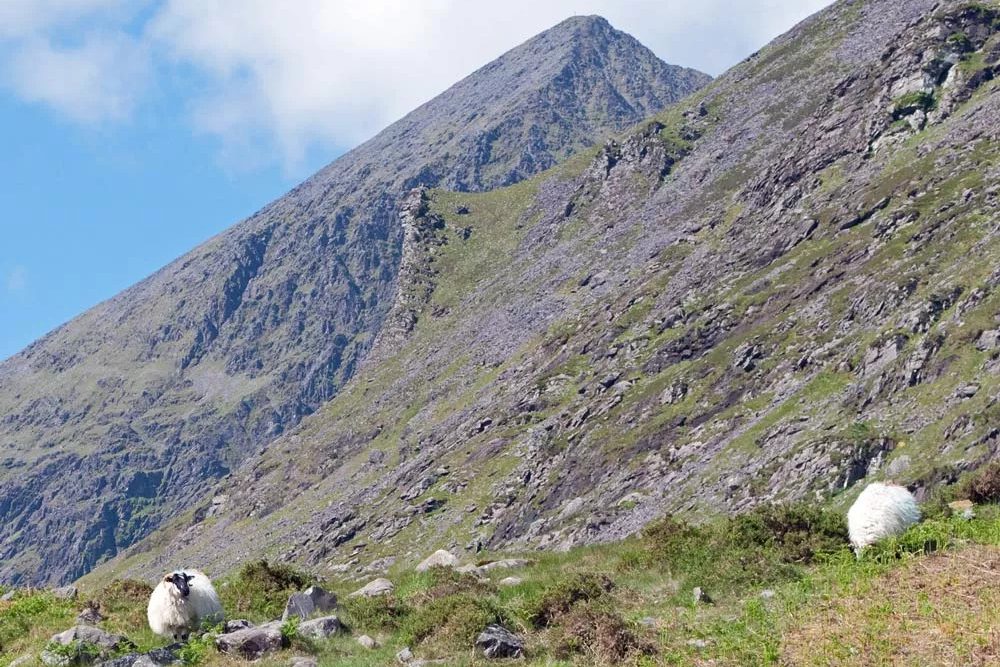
168, 578
188, 577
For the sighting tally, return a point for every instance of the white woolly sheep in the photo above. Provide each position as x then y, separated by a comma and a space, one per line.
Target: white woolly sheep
881, 511
181, 603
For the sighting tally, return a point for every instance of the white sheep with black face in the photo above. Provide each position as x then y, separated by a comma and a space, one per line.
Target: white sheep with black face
881, 511
181, 603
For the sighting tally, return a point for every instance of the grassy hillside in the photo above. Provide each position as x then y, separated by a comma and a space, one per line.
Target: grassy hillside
784, 589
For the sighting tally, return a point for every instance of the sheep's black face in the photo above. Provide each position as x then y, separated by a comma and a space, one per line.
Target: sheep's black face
181, 581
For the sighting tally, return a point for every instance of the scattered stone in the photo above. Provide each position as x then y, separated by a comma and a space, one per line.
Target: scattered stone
461, 210
700, 596
9, 595
88, 643
647, 621
305, 604
767, 594
988, 340
505, 564
91, 615
967, 390
374, 588
23, 661
236, 624
65, 593
404, 656
86, 634
511, 581
439, 558
156, 658
498, 642
252, 643
320, 628
367, 642
697, 643
303, 661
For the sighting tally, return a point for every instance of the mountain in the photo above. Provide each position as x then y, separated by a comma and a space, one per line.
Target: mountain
127, 414
779, 288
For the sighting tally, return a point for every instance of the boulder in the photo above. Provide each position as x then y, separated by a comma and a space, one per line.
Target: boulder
236, 624
65, 592
86, 634
157, 658
498, 642
404, 656
252, 643
505, 564
367, 642
374, 588
302, 661
91, 615
320, 628
511, 581
308, 602
439, 558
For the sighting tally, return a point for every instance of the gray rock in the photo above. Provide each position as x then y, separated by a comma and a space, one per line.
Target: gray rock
9, 595
505, 564
156, 658
404, 656
511, 581
22, 661
90, 615
439, 558
87, 634
235, 624
374, 588
303, 661
697, 643
498, 642
320, 628
367, 642
252, 643
65, 592
310, 601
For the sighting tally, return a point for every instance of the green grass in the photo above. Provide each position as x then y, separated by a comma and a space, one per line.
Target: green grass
584, 607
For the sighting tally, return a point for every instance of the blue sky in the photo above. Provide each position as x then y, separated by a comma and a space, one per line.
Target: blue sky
132, 130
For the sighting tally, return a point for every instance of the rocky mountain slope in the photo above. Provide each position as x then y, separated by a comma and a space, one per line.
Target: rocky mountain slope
782, 286
127, 414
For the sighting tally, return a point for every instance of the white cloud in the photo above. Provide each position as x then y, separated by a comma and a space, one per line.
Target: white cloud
21, 18
336, 71
101, 79
291, 75
16, 280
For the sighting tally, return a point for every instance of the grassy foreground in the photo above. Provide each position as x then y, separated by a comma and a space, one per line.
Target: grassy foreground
784, 587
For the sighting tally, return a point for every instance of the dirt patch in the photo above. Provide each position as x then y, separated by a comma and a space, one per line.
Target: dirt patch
940, 610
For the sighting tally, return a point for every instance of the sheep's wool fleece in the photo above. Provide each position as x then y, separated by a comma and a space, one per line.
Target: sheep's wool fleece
881, 511
170, 613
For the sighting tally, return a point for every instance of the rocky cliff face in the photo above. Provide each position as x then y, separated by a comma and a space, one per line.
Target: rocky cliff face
778, 288
127, 414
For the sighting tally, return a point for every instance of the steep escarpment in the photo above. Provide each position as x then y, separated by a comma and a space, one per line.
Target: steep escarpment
127, 414
782, 286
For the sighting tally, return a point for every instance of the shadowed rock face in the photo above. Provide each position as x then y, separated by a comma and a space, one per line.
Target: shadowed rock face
125, 415
778, 288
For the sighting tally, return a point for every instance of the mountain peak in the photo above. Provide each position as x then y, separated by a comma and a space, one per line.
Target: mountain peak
147, 399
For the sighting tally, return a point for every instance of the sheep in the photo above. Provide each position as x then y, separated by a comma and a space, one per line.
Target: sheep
181, 602
881, 511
